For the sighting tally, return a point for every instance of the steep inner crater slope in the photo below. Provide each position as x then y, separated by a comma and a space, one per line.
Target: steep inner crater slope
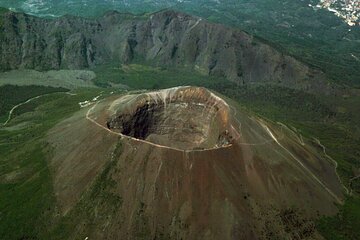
186, 118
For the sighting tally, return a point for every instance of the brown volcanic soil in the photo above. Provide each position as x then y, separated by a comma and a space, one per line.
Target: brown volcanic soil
81, 150
263, 184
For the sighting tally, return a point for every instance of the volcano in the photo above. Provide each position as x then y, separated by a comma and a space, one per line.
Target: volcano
187, 163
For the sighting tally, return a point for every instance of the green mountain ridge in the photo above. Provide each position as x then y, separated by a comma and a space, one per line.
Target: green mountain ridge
166, 38
314, 35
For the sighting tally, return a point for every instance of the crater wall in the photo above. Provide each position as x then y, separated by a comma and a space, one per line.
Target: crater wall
186, 118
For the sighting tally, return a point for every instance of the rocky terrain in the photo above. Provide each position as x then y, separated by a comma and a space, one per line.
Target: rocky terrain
164, 38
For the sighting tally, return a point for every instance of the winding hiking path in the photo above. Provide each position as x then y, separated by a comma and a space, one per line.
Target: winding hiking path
29, 100
335, 164
20, 104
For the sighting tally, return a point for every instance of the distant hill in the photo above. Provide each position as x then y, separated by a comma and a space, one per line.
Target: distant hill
165, 38
309, 30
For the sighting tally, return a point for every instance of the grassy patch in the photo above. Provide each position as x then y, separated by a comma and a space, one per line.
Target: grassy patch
3, 10
11, 95
27, 203
139, 76
345, 225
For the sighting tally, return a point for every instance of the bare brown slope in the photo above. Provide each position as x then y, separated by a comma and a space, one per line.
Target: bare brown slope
82, 150
265, 184
164, 38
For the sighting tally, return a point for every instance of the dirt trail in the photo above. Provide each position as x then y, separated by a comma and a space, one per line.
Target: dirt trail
29, 100
334, 162
18, 105
301, 140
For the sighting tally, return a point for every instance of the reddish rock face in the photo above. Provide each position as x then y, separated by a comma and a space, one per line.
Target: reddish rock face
264, 183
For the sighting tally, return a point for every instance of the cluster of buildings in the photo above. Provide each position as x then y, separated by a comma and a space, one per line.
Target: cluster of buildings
349, 10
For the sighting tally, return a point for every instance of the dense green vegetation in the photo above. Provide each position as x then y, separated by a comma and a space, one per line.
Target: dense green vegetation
316, 37
27, 203
3, 10
345, 225
139, 76
11, 95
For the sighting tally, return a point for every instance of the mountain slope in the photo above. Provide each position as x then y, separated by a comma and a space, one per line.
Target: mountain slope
305, 30
265, 183
163, 38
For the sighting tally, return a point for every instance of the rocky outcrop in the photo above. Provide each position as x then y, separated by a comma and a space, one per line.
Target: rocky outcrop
163, 38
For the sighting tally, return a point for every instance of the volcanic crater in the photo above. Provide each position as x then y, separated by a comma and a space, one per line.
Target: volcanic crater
185, 118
